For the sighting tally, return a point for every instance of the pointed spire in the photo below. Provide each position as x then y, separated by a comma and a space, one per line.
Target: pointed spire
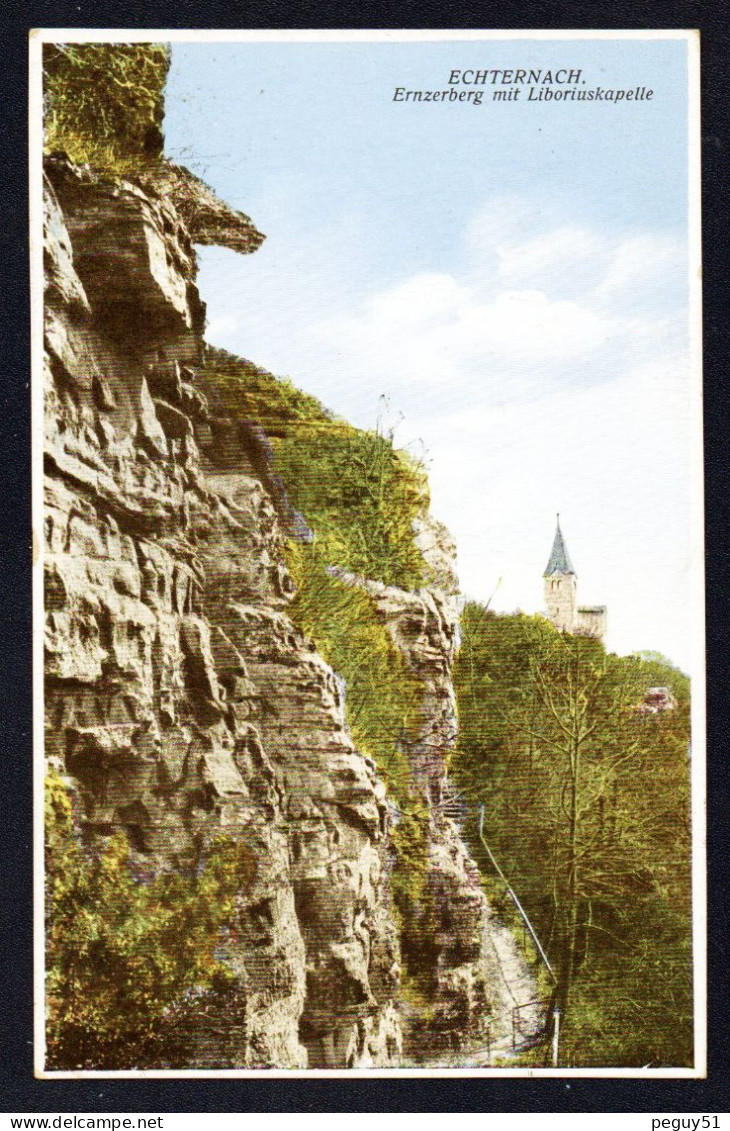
559, 561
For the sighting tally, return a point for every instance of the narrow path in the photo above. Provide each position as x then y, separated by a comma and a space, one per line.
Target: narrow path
517, 986
521, 987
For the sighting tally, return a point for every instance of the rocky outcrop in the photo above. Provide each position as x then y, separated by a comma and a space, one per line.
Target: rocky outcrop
181, 699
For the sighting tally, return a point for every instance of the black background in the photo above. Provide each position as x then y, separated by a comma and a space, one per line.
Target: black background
20, 1092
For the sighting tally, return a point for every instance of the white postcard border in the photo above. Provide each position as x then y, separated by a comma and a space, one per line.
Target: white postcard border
37, 38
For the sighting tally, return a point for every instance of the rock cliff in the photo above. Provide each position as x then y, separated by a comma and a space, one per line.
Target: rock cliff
181, 699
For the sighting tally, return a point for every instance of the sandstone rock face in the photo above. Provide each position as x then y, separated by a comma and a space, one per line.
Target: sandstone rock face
181, 698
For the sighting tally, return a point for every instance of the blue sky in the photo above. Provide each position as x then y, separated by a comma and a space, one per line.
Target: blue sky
504, 283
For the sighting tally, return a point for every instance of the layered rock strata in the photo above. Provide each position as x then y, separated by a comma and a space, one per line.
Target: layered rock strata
181, 699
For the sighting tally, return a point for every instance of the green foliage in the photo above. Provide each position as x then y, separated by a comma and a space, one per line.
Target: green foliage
237, 388
357, 492
587, 811
383, 697
104, 102
121, 953
360, 496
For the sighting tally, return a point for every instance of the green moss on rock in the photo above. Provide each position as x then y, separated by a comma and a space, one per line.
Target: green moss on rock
103, 102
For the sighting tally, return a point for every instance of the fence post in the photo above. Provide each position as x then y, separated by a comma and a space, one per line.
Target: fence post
556, 1035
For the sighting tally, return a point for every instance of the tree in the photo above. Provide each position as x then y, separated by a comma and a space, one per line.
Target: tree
572, 714
587, 810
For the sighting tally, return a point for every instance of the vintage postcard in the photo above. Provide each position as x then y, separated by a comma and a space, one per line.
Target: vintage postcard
368, 506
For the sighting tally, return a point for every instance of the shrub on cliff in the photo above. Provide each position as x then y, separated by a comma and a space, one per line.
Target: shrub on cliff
103, 102
122, 953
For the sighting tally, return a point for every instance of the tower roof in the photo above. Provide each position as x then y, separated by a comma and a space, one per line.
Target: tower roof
559, 561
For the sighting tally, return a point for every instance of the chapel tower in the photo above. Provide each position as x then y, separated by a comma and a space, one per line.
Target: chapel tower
560, 587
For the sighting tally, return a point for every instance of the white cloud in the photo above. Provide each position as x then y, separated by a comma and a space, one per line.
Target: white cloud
424, 299
521, 246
